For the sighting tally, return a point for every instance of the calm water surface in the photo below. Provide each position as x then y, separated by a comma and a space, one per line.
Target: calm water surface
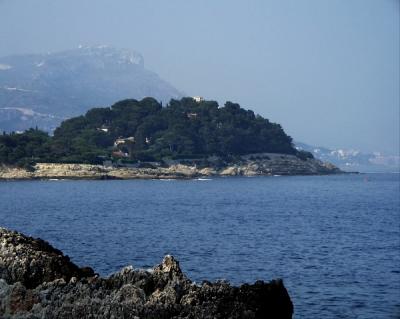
335, 240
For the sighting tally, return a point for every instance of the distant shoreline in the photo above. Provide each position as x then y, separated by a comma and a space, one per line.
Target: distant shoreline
262, 165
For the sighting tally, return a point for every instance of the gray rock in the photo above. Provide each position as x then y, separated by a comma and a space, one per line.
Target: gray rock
33, 261
38, 281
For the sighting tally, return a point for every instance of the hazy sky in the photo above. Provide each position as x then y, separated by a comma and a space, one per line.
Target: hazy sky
328, 71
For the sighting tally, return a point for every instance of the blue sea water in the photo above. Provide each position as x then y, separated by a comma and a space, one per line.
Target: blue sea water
335, 240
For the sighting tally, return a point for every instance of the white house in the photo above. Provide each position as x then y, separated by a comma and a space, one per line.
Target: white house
123, 140
198, 99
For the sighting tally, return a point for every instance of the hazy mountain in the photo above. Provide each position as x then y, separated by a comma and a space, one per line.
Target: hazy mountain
354, 160
42, 89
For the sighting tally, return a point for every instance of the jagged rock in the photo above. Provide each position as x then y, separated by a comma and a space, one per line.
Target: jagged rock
38, 281
33, 261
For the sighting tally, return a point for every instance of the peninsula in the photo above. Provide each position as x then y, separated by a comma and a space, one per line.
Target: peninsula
187, 138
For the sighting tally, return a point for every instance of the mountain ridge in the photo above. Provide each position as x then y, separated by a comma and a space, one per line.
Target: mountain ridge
68, 83
353, 160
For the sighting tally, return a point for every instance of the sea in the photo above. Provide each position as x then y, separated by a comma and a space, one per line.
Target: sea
334, 240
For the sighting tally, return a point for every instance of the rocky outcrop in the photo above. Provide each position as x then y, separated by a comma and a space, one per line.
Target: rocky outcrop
38, 281
33, 261
249, 165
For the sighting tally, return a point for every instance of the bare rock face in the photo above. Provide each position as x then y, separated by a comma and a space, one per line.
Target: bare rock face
261, 164
33, 261
38, 281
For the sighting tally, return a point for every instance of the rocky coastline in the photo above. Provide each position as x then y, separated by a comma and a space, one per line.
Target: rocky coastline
38, 281
263, 164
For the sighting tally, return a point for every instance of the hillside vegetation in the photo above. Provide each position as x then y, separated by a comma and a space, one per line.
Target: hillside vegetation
132, 130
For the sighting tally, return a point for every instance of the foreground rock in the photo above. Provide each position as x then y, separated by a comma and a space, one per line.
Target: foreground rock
38, 281
249, 165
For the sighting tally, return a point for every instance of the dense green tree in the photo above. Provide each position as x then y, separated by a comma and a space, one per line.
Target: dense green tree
146, 130
25, 148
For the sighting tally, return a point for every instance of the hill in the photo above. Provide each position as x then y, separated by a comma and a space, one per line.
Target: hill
43, 89
132, 130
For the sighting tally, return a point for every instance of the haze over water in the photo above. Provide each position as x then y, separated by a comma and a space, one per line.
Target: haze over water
334, 240
328, 71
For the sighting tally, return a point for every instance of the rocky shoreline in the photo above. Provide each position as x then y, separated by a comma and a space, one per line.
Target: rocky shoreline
250, 165
38, 281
